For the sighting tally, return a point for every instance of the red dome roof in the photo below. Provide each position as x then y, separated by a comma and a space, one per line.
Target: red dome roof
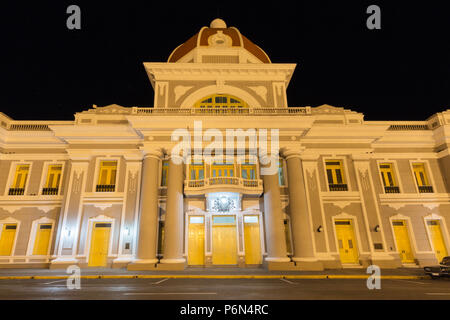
200, 39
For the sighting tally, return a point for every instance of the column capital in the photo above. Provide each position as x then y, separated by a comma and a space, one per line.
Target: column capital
153, 152
292, 152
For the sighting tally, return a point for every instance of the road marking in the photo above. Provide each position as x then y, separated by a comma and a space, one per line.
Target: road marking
158, 293
55, 281
411, 281
290, 282
161, 281
438, 294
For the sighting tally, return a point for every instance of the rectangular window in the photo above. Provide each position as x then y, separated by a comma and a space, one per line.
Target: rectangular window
281, 179
52, 182
20, 180
107, 176
388, 177
248, 171
335, 175
421, 177
164, 173
222, 170
197, 171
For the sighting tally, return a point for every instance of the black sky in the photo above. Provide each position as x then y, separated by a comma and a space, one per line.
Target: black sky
401, 72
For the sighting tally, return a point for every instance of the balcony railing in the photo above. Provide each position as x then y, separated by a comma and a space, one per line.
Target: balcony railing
391, 189
425, 189
50, 191
255, 186
338, 187
105, 188
16, 191
225, 111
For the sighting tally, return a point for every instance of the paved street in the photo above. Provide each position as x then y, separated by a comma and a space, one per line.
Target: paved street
236, 289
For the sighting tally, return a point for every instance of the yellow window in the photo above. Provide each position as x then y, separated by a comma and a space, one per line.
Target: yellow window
20, 176
164, 173
222, 170
387, 174
7, 238
217, 103
53, 179
420, 174
107, 173
41, 244
248, 171
335, 172
107, 176
196, 171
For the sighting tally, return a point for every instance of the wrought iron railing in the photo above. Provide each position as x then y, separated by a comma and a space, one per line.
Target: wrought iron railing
226, 111
105, 188
425, 189
391, 189
16, 191
50, 191
338, 187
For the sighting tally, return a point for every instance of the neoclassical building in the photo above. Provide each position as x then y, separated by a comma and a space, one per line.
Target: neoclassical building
104, 190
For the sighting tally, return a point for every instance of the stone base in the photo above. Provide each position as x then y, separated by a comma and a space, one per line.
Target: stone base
24, 265
309, 265
387, 264
62, 264
331, 264
141, 266
280, 266
171, 266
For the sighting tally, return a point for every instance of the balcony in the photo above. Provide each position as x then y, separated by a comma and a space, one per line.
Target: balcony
425, 189
338, 187
50, 191
16, 191
391, 189
223, 184
105, 188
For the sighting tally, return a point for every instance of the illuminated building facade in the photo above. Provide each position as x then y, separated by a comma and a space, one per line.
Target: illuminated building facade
103, 191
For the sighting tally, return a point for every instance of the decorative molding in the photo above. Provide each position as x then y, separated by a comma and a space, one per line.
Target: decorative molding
102, 206
180, 91
395, 206
260, 91
431, 206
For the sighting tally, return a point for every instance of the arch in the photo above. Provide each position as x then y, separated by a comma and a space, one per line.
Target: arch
190, 100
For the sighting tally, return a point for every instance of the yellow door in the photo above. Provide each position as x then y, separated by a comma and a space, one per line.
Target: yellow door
346, 241
7, 239
402, 240
224, 249
42, 241
196, 241
99, 244
437, 238
252, 240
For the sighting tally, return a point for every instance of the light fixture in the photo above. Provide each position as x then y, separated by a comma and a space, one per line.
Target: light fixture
319, 229
377, 228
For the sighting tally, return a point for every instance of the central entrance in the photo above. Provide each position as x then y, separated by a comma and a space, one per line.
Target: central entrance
224, 244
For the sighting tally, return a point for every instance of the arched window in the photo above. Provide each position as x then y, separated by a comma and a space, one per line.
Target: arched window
221, 103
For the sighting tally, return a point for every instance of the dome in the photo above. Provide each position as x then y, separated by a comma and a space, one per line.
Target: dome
219, 36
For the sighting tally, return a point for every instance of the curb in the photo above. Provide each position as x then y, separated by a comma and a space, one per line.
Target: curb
171, 276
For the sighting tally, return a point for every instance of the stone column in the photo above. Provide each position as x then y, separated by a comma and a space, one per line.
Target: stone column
173, 226
273, 218
148, 213
302, 231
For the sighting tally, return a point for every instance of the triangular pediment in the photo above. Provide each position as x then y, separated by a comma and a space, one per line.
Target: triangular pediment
112, 108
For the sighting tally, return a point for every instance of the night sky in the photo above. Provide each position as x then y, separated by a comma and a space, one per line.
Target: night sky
401, 72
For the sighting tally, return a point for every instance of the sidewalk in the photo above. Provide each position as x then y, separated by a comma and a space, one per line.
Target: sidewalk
406, 273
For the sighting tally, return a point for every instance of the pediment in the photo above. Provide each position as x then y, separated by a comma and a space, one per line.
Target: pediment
112, 108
